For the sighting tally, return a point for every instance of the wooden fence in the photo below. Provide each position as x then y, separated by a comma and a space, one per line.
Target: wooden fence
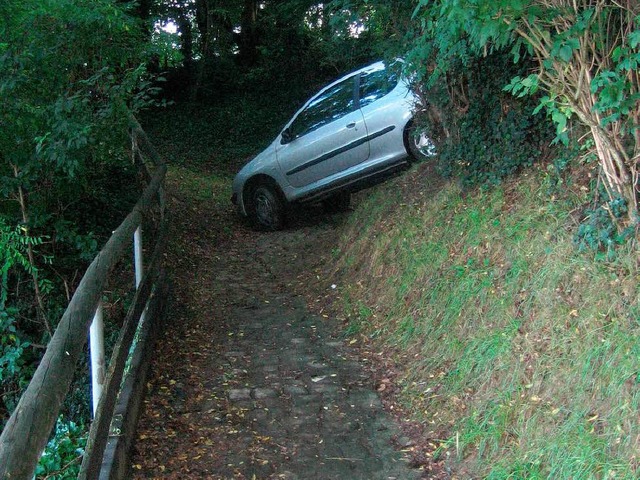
29, 427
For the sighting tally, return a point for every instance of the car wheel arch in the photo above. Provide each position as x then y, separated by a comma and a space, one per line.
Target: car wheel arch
265, 204
255, 182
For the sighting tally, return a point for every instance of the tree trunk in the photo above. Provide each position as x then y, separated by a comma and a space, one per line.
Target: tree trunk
248, 38
202, 20
619, 178
186, 40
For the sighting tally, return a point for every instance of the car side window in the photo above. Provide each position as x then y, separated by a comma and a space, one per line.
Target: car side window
333, 104
375, 84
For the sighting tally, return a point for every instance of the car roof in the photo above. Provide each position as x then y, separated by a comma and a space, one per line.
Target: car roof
379, 65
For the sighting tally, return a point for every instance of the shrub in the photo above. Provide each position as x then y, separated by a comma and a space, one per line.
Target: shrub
63, 454
484, 134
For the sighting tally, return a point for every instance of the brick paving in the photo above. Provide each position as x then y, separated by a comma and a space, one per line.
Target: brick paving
247, 382
303, 391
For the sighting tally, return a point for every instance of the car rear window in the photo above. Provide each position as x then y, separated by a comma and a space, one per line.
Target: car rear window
375, 84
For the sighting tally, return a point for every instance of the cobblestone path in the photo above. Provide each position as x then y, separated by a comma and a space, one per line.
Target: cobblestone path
304, 392
249, 384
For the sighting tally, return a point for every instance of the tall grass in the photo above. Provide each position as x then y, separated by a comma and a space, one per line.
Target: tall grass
523, 351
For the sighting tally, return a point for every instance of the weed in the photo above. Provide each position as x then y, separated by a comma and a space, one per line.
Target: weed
598, 232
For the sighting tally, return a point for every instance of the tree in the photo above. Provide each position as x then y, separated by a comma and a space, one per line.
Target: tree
230, 42
586, 56
68, 71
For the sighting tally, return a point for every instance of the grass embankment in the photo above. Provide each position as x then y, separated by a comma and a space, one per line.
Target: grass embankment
520, 354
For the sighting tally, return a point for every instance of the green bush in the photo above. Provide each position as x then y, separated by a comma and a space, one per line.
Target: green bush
70, 72
490, 134
582, 60
63, 454
598, 232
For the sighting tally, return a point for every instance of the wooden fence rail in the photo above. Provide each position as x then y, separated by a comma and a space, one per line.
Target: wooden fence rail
29, 427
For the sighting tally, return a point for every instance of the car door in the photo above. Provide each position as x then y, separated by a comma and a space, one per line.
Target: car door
384, 108
325, 138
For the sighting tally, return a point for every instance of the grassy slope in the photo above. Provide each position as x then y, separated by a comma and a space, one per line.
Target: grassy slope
520, 354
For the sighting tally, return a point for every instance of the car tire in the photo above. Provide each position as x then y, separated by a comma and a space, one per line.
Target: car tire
267, 209
419, 145
339, 202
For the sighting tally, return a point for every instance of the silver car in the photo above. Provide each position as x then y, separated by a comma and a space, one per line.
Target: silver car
354, 133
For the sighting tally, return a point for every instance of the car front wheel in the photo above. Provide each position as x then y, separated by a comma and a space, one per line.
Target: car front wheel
266, 208
419, 146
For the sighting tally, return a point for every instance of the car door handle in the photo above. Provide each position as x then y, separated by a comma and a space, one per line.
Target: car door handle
351, 125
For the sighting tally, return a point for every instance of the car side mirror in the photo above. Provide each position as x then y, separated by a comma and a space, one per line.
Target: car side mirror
287, 136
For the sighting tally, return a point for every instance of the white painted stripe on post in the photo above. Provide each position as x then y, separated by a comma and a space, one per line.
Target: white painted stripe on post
137, 255
98, 365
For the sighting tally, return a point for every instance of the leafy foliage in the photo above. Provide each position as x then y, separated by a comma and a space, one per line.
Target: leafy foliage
15, 357
585, 57
598, 232
69, 72
237, 46
15, 368
489, 135
63, 454
64, 124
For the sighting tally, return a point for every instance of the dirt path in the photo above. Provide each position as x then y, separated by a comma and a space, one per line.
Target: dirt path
247, 383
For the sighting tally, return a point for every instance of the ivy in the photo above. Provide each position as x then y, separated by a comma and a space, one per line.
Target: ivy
494, 134
598, 232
